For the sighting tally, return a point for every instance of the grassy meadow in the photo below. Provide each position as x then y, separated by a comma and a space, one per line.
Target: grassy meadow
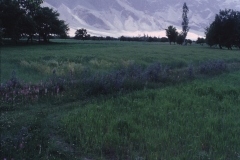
64, 56
127, 106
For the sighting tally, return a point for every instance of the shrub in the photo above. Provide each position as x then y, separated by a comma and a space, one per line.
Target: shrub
86, 83
213, 67
190, 72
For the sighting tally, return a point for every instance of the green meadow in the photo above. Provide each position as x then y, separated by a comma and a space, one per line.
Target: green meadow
36, 62
189, 115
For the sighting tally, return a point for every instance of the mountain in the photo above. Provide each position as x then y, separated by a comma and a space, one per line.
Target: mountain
135, 17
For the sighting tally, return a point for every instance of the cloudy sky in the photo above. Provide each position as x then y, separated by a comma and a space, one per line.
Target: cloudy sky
138, 17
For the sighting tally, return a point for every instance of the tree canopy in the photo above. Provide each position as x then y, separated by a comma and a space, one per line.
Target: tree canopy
185, 27
81, 34
200, 41
224, 31
26, 18
48, 23
180, 39
171, 33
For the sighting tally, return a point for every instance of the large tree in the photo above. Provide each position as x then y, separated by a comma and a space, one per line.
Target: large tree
11, 16
224, 31
49, 24
185, 27
1, 33
25, 18
171, 33
31, 7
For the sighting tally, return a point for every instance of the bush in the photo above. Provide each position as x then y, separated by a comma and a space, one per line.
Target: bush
213, 67
73, 87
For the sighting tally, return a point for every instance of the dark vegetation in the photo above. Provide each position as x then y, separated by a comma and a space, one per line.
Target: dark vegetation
26, 19
87, 84
144, 39
180, 38
224, 31
201, 41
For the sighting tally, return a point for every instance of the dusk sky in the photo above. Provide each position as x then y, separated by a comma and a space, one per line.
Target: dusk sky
138, 17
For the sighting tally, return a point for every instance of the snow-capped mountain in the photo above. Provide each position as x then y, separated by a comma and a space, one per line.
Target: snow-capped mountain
136, 17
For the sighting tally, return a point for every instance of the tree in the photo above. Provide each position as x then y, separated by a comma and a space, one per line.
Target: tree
48, 23
1, 33
189, 41
26, 18
11, 16
185, 27
164, 39
224, 31
200, 41
81, 34
171, 33
180, 39
17, 17
30, 7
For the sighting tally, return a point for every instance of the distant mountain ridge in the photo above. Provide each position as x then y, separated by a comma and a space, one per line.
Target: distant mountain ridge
126, 17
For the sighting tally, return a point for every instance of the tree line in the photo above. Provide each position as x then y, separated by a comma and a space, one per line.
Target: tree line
224, 31
26, 18
81, 34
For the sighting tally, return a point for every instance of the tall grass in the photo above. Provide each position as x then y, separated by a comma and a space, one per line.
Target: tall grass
99, 100
87, 83
101, 56
198, 120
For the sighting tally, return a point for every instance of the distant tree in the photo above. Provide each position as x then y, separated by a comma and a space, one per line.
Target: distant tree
164, 39
200, 41
108, 38
180, 39
88, 37
80, 34
224, 31
122, 38
189, 41
95, 38
185, 27
150, 39
171, 33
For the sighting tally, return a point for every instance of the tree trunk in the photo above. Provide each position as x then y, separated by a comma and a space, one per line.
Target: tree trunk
45, 38
39, 37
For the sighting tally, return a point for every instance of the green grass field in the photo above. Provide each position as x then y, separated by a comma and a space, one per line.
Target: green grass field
189, 119
40, 60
